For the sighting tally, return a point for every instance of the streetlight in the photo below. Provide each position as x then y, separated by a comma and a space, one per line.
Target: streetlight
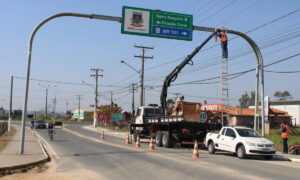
122, 61
142, 82
46, 105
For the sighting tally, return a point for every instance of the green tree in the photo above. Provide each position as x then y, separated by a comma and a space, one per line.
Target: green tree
246, 100
282, 95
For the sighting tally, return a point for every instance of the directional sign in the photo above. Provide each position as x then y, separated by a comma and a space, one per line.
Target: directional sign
155, 23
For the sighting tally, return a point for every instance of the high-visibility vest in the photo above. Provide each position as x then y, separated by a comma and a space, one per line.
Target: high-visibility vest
286, 133
224, 37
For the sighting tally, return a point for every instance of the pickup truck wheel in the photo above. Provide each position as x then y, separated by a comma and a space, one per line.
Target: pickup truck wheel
158, 139
268, 157
211, 148
241, 152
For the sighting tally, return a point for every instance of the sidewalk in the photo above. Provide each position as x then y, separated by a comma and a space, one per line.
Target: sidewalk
34, 153
279, 155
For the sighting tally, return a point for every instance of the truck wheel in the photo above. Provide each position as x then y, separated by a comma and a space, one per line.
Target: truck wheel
268, 157
241, 152
211, 148
158, 138
167, 140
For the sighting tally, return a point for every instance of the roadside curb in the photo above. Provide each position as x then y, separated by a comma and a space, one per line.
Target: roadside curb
5, 170
112, 133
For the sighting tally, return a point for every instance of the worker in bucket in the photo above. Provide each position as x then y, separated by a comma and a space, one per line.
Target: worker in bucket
224, 41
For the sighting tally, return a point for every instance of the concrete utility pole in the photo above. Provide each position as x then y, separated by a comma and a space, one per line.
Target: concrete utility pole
79, 97
111, 100
143, 57
46, 104
132, 107
96, 75
10, 103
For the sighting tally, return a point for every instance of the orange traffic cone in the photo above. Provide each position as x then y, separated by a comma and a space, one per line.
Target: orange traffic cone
127, 140
138, 144
102, 136
195, 151
151, 145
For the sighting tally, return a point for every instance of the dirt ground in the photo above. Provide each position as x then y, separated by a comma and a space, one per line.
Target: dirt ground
48, 172
6, 137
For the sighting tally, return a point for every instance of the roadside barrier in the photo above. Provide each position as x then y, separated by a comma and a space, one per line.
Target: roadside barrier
102, 136
151, 145
127, 140
195, 151
138, 143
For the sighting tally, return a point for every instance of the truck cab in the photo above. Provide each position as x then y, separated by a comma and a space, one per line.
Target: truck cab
146, 111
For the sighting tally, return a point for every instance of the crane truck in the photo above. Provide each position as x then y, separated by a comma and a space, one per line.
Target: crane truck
187, 123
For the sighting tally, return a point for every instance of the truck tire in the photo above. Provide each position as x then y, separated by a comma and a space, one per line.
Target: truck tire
167, 140
268, 157
211, 148
241, 152
158, 138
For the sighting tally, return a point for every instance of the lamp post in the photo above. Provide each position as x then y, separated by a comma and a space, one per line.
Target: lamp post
46, 104
142, 81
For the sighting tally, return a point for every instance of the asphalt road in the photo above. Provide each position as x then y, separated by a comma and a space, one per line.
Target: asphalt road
78, 148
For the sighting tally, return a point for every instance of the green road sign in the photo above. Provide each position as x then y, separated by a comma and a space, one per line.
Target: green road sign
155, 23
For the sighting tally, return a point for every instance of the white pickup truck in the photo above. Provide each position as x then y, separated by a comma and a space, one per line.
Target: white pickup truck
240, 140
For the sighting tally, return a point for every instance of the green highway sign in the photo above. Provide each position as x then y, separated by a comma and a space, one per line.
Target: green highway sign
156, 23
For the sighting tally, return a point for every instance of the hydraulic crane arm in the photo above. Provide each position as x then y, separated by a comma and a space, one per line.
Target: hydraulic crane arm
173, 75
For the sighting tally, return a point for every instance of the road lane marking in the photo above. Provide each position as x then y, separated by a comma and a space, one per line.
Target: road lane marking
206, 165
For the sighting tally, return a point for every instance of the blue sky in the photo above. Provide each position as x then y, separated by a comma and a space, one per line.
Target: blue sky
65, 49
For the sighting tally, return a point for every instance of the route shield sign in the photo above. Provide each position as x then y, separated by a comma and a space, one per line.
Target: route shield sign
155, 23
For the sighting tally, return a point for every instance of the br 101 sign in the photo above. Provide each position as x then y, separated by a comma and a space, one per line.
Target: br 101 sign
155, 23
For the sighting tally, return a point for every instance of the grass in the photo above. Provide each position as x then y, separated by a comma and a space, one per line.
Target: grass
6, 137
275, 136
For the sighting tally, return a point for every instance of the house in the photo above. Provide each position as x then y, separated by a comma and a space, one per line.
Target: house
245, 116
292, 107
83, 115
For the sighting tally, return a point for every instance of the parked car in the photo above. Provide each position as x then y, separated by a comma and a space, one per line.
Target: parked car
40, 124
240, 140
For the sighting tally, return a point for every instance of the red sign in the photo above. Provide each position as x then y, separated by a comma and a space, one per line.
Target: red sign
211, 107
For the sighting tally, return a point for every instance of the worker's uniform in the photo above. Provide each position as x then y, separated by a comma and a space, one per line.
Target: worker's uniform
285, 137
224, 41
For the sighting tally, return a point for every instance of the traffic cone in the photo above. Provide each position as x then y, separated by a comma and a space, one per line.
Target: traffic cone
195, 151
151, 145
138, 144
127, 140
102, 136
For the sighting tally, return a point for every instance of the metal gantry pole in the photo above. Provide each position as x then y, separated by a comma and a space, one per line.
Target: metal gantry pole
10, 103
109, 18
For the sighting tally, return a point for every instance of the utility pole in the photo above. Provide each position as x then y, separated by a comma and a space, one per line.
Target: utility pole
10, 103
79, 97
46, 105
132, 107
143, 57
111, 100
96, 75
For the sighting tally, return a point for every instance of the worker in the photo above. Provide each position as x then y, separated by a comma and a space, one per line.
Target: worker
224, 41
285, 136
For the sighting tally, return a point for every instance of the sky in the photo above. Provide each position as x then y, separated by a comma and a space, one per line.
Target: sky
66, 48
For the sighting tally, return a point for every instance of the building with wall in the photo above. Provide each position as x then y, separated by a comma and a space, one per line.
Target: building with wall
83, 115
292, 107
245, 116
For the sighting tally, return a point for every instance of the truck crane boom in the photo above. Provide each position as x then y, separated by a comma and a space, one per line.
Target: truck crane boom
173, 75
